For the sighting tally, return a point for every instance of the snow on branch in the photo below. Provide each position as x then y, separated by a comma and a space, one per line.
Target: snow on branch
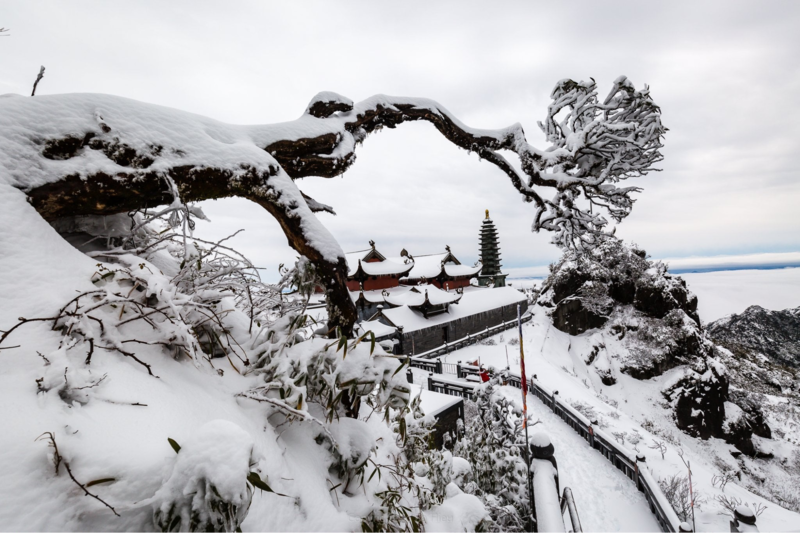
90, 154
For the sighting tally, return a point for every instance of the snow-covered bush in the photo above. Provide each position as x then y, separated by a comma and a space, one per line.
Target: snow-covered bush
208, 487
163, 292
492, 445
676, 489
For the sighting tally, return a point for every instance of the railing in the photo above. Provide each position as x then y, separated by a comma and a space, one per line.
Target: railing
633, 466
568, 503
471, 338
451, 388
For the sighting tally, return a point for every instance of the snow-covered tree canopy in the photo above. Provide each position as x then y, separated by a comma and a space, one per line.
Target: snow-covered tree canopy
91, 154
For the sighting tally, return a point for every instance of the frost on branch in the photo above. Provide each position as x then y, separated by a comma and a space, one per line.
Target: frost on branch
91, 154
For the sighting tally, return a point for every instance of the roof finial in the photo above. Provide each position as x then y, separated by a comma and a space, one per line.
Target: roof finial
447, 247
487, 214
372, 243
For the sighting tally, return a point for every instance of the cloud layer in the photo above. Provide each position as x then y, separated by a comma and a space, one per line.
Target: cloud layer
725, 73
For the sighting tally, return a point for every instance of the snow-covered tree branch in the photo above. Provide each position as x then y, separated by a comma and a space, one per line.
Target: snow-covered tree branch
85, 154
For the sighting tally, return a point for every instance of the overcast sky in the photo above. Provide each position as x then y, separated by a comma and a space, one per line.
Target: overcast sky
726, 75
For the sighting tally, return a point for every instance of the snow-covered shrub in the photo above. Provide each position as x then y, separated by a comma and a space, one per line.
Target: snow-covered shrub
676, 489
492, 445
207, 489
585, 409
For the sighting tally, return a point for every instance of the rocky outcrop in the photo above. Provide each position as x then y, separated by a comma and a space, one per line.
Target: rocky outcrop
615, 290
775, 334
584, 288
704, 407
571, 316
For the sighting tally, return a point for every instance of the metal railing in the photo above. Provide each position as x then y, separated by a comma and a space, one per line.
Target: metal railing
568, 503
451, 388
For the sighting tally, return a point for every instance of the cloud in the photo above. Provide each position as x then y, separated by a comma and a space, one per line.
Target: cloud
725, 73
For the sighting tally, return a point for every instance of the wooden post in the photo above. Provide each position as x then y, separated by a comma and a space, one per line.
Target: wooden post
640, 458
410, 376
430, 381
439, 365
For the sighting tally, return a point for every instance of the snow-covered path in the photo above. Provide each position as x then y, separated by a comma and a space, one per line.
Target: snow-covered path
606, 499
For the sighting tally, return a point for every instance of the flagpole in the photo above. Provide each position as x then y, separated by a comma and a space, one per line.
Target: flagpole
524, 387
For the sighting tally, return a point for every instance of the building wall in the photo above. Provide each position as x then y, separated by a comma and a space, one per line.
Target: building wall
447, 422
422, 340
374, 283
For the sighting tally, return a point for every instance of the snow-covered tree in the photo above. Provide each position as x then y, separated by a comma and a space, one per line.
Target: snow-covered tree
101, 155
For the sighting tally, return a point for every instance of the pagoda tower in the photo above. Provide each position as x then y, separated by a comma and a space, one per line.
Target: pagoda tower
490, 256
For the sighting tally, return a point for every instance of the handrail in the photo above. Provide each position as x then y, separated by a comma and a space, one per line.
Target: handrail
568, 502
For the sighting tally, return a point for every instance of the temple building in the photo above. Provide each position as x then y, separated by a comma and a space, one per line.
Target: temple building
421, 302
442, 270
369, 270
490, 256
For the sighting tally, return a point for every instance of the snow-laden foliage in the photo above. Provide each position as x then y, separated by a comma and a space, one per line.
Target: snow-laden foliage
492, 444
207, 489
162, 296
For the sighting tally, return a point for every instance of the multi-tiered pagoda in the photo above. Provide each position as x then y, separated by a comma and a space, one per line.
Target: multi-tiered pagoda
490, 256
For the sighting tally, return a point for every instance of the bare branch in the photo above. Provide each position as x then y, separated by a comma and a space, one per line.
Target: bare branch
38, 79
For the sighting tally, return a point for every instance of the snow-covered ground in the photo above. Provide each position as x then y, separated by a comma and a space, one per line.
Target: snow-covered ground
607, 501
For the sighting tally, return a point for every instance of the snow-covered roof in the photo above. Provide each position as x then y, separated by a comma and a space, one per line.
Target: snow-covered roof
432, 403
417, 296
428, 266
455, 271
475, 300
378, 328
381, 267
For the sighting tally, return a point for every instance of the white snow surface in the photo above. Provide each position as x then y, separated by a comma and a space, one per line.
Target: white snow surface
475, 300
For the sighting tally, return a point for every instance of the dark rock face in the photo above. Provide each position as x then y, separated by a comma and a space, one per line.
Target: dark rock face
585, 288
699, 399
775, 334
705, 407
572, 317
656, 302
751, 405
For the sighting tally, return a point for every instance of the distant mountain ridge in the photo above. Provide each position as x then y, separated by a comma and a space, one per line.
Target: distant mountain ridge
775, 334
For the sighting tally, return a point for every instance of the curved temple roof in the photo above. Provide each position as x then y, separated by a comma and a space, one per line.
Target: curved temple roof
418, 296
432, 266
358, 261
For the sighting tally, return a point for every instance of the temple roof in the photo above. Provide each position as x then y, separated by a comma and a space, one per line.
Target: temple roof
431, 266
415, 296
373, 263
418, 296
475, 300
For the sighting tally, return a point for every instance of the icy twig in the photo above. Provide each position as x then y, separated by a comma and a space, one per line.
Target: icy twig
86, 491
38, 79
